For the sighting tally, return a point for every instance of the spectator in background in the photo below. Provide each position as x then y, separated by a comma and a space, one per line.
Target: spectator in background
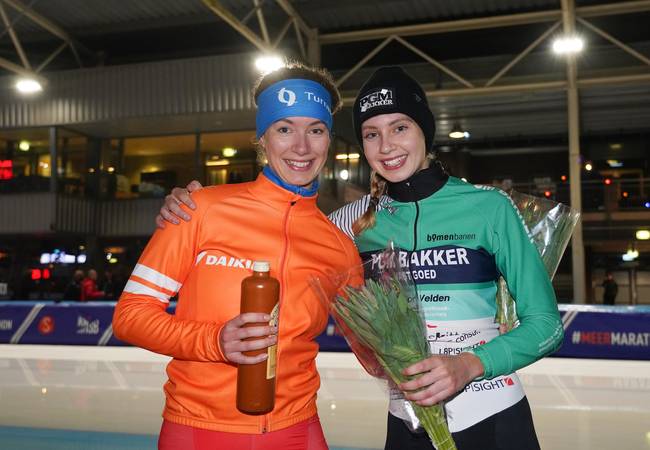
109, 286
73, 289
611, 289
89, 290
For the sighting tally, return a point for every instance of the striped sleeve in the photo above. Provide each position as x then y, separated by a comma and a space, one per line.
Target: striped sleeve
140, 316
345, 216
148, 281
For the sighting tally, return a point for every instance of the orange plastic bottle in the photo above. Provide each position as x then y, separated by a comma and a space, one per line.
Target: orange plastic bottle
260, 293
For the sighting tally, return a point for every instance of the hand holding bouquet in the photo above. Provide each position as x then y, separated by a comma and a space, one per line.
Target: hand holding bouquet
384, 326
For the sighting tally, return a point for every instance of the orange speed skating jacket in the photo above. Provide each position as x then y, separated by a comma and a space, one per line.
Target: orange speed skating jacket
204, 261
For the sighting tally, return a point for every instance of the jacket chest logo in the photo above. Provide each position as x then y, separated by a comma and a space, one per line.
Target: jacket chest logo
210, 259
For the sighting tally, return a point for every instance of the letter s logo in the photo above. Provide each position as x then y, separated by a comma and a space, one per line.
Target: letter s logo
286, 96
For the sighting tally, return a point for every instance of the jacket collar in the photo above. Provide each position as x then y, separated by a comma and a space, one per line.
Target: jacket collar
420, 185
305, 192
280, 198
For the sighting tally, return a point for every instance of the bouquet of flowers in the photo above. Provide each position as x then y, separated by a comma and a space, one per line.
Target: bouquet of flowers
550, 225
384, 326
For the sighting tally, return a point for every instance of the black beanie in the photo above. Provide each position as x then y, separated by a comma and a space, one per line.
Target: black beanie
391, 90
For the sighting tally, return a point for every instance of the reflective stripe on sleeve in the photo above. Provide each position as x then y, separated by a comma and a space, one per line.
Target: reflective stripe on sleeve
157, 278
133, 287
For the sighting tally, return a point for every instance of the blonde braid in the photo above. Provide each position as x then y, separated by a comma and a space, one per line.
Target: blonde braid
367, 220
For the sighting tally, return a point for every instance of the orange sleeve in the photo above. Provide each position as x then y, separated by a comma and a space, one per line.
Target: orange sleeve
140, 316
355, 274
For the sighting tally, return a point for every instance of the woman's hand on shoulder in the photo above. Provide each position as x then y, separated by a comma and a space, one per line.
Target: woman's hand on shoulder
439, 377
171, 209
234, 338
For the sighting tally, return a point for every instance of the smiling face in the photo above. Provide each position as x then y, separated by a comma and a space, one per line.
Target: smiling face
394, 146
296, 148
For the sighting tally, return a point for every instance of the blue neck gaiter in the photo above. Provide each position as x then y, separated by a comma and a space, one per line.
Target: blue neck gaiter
305, 192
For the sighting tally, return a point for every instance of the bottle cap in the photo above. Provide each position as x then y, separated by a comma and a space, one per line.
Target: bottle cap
261, 266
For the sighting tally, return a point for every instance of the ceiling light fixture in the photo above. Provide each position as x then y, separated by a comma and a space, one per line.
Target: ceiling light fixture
221, 162
24, 146
631, 254
458, 133
28, 86
228, 152
614, 163
269, 63
568, 45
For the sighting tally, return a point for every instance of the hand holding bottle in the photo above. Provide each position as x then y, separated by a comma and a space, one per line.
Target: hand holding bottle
232, 338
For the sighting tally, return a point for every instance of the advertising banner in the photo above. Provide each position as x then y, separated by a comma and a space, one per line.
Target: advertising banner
615, 332
591, 331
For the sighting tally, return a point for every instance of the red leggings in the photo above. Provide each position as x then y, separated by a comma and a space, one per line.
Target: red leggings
307, 435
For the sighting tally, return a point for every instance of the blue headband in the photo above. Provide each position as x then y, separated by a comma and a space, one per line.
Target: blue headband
293, 98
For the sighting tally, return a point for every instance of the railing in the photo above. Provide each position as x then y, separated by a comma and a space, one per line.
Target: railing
603, 195
44, 212
27, 213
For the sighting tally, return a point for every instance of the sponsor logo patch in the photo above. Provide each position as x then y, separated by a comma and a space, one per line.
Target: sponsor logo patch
381, 97
222, 260
46, 325
629, 339
451, 237
490, 385
427, 298
287, 97
85, 325
6, 325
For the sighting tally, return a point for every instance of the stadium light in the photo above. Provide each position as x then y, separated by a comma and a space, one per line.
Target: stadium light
269, 63
28, 86
568, 45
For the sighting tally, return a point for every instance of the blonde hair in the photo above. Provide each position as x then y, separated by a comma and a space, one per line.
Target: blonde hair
367, 220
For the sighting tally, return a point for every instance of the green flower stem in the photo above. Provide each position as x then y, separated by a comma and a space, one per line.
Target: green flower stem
380, 318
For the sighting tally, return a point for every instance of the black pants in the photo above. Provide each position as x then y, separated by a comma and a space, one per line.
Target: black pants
510, 429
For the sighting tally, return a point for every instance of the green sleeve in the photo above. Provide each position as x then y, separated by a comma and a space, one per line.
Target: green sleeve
540, 330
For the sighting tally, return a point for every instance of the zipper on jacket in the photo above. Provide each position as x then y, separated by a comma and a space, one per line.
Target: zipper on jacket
417, 215
415, 226
415, 231
285, 226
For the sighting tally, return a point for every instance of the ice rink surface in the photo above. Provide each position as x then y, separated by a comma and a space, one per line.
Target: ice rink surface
578, 404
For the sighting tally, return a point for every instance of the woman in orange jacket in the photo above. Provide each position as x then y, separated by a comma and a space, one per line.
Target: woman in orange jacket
273, 218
